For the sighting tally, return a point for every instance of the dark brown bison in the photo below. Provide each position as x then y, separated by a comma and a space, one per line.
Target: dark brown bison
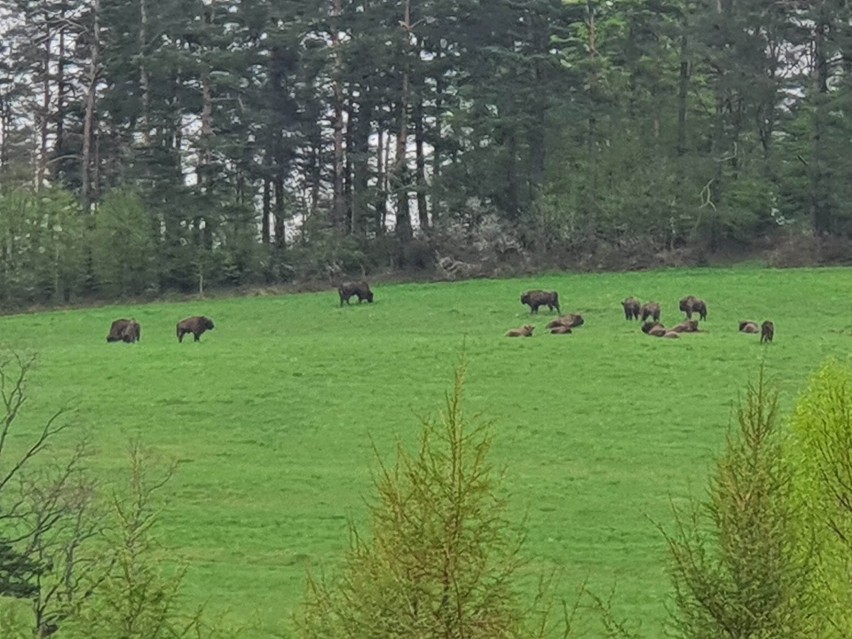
767, 332
747, 326
655, 329
561, 330
524, 331
632, 307
689, 326
361, 289
572, 320
196, 325
691, 304
124, 330
537, 298
650, 309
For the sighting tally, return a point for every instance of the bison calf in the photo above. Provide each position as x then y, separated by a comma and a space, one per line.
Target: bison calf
524, 331
748, 326
196, 325
650, 309
124, 330
537, 298
632, 306
655, 329
361, 289
767, 332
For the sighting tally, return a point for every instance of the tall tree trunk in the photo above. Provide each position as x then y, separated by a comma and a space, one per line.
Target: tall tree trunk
381, 182
361, 175
420, 159
144, 78
59, 142
204, 156
44, 116
400, 173
91, 94
820, 207
338, 207
682, 89
265, 211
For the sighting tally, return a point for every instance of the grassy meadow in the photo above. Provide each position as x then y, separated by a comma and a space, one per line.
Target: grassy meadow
272, 414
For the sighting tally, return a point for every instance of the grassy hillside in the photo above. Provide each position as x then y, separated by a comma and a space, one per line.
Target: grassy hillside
272, 413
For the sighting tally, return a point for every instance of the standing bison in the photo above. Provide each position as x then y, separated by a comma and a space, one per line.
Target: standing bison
124, 330
767, 332
650, 309
361, 289
691, 304
537, 298
632, 307
196, 325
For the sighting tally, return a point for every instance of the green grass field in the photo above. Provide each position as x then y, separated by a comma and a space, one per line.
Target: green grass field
271, 415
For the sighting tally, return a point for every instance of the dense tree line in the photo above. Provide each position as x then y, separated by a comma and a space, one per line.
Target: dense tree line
148, 145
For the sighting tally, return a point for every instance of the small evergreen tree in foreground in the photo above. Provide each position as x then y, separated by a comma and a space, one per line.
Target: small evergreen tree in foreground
442, 556
742, 560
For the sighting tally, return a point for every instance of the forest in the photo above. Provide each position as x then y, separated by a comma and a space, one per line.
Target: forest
149, 146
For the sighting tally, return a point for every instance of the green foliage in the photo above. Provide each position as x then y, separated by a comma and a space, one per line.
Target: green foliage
40, 245
741, 564
822, 447
123, 248
442, 558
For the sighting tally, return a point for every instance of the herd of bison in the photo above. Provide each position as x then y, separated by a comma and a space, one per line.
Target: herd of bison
648, 313
129, 330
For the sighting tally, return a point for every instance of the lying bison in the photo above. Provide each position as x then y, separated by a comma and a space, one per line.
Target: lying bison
361, 289
691, 304
689, 326
650, 309
561, 330
747, 326
524, 331
196, 325
655, 329
537, 298
632, 306
572, 320
767, 332
124, 330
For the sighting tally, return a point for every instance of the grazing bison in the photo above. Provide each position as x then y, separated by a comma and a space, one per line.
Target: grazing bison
655, 329
689, 326
572, 320
561, 330
124, 330
747, 326
537, 298
361, 289
196, 325
691, 304
632, 307
524, 331
650, 309
767, 332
